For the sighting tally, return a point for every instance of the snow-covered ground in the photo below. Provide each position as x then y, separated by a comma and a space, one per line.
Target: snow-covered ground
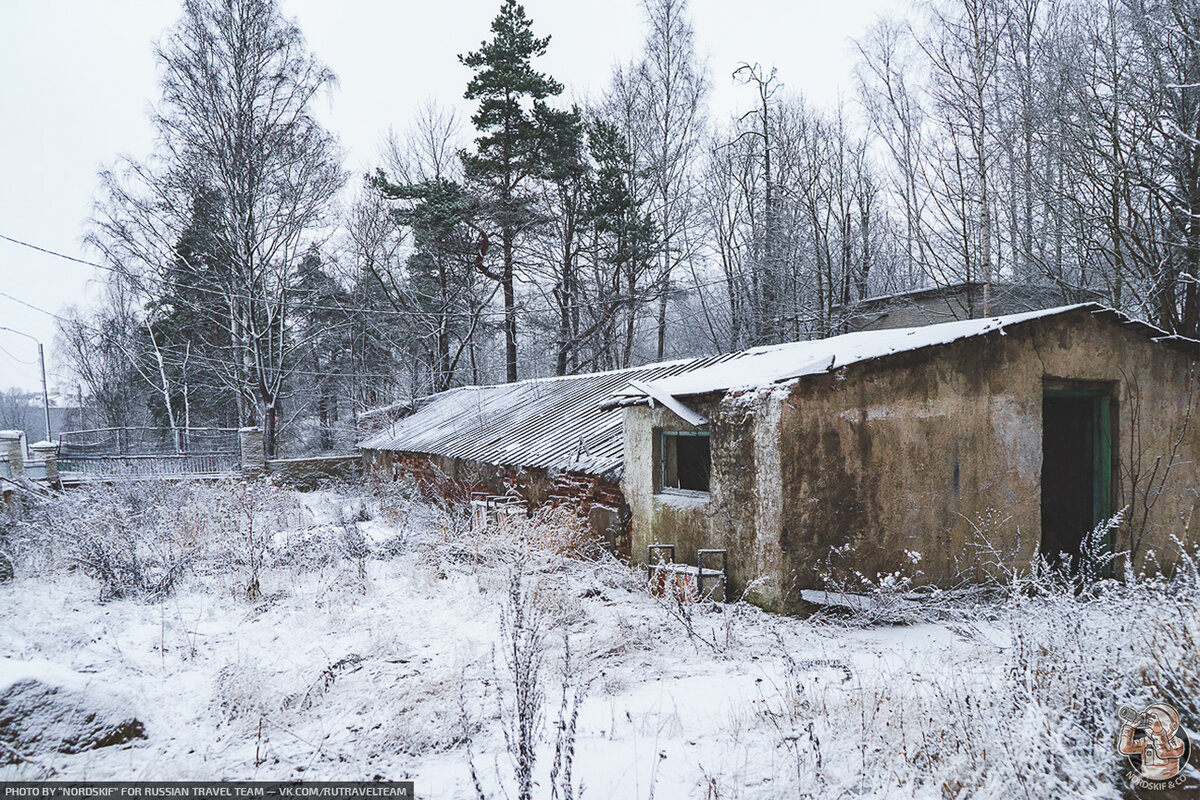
376, 648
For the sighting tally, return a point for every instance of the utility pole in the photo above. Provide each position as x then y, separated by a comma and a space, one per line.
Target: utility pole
42, 363
45, 394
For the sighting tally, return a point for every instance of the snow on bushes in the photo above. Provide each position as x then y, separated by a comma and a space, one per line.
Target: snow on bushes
388, 637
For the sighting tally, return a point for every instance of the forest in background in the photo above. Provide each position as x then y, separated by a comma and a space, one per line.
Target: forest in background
252, 280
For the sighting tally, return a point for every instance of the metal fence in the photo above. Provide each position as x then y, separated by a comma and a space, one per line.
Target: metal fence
151, 466
148, 452
147, 441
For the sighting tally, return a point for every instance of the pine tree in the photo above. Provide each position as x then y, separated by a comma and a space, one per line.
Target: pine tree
627, 234
564, 170
507, 144
440, 287
324, 314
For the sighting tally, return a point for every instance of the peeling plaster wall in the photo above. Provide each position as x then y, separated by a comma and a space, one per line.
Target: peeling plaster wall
741, 503
928, 452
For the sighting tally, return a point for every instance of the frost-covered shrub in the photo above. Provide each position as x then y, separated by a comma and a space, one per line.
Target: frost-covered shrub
126, 536
558, 530
244, 690
253, 515
1171, 635
883, 598
138, 538
392, 499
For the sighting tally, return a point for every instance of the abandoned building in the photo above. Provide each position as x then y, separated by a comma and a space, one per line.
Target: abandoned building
941, 450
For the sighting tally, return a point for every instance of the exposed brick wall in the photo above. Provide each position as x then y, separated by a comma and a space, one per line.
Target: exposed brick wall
597, 500
601, 502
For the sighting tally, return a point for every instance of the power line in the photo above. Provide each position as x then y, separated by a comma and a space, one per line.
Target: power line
209, 359
29, 305
35, 308
18, 360
495, 314
56, 254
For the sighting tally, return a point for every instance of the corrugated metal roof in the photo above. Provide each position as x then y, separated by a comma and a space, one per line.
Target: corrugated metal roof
574, 422
550, 423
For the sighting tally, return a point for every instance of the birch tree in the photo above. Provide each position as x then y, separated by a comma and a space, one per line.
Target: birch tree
238, 84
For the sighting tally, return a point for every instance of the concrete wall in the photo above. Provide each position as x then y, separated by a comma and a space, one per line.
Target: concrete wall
309, 473
917, 451
745, 491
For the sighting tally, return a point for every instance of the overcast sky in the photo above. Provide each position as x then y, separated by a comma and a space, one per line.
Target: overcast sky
77, 80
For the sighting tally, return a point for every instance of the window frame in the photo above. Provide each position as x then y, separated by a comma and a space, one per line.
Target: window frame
660, 471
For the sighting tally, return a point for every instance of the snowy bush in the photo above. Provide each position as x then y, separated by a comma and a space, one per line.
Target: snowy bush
392, 499
556, 530
138, 538
130, 537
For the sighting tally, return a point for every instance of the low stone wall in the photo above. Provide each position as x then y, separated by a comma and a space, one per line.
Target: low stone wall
596, 499
309, 473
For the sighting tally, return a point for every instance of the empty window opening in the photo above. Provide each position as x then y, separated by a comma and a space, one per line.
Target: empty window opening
1076, 472
686, 461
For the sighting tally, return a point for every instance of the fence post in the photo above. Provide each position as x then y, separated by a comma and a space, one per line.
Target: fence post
10, 445
254, 455
47, 453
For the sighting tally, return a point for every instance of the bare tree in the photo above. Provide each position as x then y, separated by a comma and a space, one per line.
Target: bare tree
237, 87
667, 139
15, 412
95, 349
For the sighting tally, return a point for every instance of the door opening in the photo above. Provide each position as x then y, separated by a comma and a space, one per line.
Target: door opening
1076, 472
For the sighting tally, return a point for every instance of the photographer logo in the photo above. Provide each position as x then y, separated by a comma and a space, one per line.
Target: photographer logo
1157, 746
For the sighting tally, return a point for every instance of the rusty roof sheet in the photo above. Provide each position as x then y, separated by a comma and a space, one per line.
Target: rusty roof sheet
550, 423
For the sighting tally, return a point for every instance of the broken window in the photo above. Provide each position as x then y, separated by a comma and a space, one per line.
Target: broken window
685, 461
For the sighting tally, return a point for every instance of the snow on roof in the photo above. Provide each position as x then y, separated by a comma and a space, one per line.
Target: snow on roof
574, 422
550, 423
772, 364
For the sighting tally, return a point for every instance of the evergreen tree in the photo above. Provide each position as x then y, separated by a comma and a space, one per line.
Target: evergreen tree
439, 293
323, 312
626, 234
192, 340
507, 144
563, 168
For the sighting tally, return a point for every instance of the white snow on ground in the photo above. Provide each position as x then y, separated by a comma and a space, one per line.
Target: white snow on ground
385, 665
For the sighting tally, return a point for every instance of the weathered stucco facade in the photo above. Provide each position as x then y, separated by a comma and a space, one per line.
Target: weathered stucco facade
928, 451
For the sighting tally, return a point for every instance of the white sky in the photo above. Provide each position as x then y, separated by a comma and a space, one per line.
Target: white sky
77, 78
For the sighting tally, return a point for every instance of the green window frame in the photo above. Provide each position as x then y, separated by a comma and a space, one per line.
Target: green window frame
684, 462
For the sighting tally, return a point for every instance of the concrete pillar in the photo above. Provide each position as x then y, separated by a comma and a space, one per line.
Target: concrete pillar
10, 445
254, 455
47, 453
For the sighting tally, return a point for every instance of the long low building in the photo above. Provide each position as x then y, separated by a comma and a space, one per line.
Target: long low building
938, 450
546, 440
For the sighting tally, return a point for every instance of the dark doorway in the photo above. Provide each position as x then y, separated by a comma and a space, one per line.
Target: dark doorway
1076, 470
